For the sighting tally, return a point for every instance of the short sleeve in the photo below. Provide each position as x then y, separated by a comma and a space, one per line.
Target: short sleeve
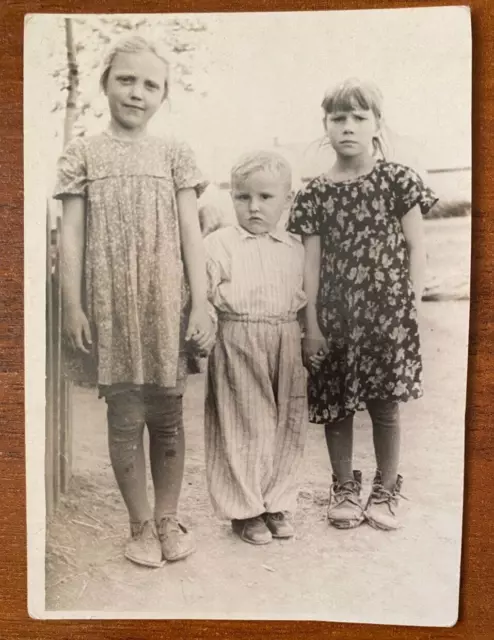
213, 280
218, 250
411, 191
214, 277
186, 174
72, 170
304, 218
214, 253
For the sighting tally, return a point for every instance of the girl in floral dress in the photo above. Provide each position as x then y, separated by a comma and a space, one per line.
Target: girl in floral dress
130, 225
361, 224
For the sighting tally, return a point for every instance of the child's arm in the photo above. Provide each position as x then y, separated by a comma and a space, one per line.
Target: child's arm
200, 327
73, 238
314, 342
413, 230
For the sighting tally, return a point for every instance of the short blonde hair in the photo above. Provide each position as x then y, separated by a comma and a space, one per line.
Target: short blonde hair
132, 44
268, 161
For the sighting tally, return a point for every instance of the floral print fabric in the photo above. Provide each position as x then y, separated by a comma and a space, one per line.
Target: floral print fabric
135, 291
366, 303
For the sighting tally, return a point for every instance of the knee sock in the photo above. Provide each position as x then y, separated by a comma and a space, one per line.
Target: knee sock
125, 440
385, 418
167, 452
339, 440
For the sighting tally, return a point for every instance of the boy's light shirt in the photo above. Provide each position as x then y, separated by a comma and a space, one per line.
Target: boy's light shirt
258, 276
277, 234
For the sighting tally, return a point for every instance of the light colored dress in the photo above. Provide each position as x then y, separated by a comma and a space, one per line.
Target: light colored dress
135, 292
256, 405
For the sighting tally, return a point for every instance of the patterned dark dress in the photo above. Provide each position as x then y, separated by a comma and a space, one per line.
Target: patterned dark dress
366, 303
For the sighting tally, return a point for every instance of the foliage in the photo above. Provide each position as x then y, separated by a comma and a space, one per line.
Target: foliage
450, 209
185, 38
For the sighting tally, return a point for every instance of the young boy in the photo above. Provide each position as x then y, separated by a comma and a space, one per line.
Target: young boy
256, 406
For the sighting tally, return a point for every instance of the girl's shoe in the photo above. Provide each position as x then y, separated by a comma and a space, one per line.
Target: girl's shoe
345, 508
279, 525
252, 530
176, 541
144, 548
382, 505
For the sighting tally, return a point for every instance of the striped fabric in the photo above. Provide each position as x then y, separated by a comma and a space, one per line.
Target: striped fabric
255, 276
256, 406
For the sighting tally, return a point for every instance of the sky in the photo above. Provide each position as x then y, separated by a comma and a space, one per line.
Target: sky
271, 72
267, 73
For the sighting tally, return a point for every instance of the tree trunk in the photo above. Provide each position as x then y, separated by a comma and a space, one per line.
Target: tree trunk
73, 83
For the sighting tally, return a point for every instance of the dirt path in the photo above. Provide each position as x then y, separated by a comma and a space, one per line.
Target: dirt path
410, 576
361, 575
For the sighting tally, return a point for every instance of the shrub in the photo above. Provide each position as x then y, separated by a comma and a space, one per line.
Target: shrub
450, 209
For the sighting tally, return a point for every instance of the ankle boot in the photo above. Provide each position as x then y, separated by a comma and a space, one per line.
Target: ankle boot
345, 508
382, 505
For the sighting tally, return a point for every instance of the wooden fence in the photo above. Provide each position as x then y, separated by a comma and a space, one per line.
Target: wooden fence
58, 425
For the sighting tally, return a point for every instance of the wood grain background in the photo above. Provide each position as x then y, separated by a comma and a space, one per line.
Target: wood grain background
477, 585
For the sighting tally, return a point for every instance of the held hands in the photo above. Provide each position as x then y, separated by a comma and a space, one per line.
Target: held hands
77, 330
314, 348
200, 331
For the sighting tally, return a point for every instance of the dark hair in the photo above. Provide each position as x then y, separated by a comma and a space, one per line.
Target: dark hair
356, 94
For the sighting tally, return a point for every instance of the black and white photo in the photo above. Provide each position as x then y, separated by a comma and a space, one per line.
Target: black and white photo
247, 285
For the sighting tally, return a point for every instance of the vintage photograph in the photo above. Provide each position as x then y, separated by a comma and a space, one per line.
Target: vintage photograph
247, 285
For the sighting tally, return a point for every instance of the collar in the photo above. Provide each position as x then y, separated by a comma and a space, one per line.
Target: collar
278, 234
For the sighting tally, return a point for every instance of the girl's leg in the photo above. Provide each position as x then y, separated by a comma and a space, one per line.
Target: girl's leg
345, 509
164, 417
385, 418
381, 508
339, 440
125, 440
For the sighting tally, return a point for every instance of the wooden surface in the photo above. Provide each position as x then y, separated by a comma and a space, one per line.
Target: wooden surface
477, 587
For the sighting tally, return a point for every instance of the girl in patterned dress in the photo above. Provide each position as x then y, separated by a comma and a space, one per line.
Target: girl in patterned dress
130, 226
361, 224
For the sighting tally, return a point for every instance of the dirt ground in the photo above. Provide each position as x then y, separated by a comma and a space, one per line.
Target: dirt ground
406, 577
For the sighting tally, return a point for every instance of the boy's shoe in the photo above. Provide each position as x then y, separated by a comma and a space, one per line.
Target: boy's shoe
252, 530
144, 547
381, 508
345, 508
279, 525
176, 541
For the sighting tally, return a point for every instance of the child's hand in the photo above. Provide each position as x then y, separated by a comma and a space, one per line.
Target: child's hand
316, 360
200, 330
77, 329
314, 349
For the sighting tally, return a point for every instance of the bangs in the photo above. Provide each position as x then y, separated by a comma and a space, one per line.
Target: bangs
353, 95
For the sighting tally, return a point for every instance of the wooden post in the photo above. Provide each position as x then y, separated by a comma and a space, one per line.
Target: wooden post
50, 471
58, 457
65, 387
58, 452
